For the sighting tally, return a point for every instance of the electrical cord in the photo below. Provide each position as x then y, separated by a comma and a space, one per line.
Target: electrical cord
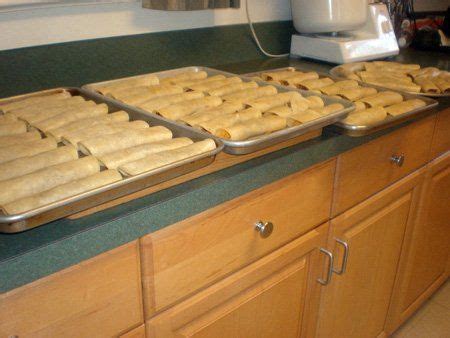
250, 23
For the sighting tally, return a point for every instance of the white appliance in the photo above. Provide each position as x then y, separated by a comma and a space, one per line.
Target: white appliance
342, 31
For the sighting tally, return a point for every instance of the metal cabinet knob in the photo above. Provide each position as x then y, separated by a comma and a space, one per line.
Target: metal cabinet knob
398, 160
265, 229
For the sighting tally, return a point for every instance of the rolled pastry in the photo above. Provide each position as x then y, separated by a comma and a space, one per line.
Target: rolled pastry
396, 85
178, 110
383, 99
33, 117
228, 120
210, 113
366, 117
151, 92
282, 111
204, 87
302, 117
349, 69
13, 128
7, 118
254, 127
329, 109
314, 84
101, 130
58, 105
279, 75
354, 94
404, 107
6, 141
119, 116
165, 101
425, 72
298, 78
25, 165
26, 149
144, 80
129, 138
397, 65
250, 94
129, 91
33, 100
164, 158
304, 103
359, 106
188, 83
70, 116
115, 159
443, 84
267, 102
62, 192
367, 76
228, 89
47, 178
193, 75
338, 86
427, 85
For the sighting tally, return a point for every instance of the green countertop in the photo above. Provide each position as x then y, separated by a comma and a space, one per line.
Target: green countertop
30, 255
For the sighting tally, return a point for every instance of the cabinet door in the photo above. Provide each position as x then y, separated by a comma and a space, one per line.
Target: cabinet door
423, 264
356, 302
276, 296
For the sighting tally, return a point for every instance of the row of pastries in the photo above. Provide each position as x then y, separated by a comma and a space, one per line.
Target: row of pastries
398, 76
227, 107
372, 106
56, 146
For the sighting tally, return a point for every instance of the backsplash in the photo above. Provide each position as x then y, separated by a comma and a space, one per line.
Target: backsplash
63, 24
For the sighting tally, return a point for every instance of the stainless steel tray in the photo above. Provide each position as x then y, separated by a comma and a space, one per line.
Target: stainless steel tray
362, 130
248, 146
334, 72
72, 205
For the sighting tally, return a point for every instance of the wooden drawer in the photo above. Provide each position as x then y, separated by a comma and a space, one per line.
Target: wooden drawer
365, 170
138, 332
441, 138
276, 296
100, 297
198, 251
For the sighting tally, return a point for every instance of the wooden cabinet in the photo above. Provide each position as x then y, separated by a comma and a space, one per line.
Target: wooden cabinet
183, 258
138, 332
441, 137
276, 296
424, 259
365, 170
100, 297
356, 302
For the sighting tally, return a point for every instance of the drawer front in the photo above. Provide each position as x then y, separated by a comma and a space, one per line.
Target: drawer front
187, 256
441, 138
365, 170
100, 297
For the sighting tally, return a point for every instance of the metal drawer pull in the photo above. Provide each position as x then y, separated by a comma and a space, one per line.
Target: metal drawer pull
344, 259
265, 229
398, 160
330, 267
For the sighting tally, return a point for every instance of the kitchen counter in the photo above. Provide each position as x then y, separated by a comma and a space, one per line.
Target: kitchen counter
42, 251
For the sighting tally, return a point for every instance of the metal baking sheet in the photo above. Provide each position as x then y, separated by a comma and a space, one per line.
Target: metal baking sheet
334, 72
362, 130
128, 185
247, 146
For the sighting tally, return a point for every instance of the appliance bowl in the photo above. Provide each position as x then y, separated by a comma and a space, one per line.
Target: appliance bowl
325, 16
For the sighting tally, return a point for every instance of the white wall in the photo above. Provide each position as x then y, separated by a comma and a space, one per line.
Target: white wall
53, 25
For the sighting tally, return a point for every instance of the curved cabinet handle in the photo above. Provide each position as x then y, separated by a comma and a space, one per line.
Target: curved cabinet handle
398, 160
265, 229
330, 267
344, 259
